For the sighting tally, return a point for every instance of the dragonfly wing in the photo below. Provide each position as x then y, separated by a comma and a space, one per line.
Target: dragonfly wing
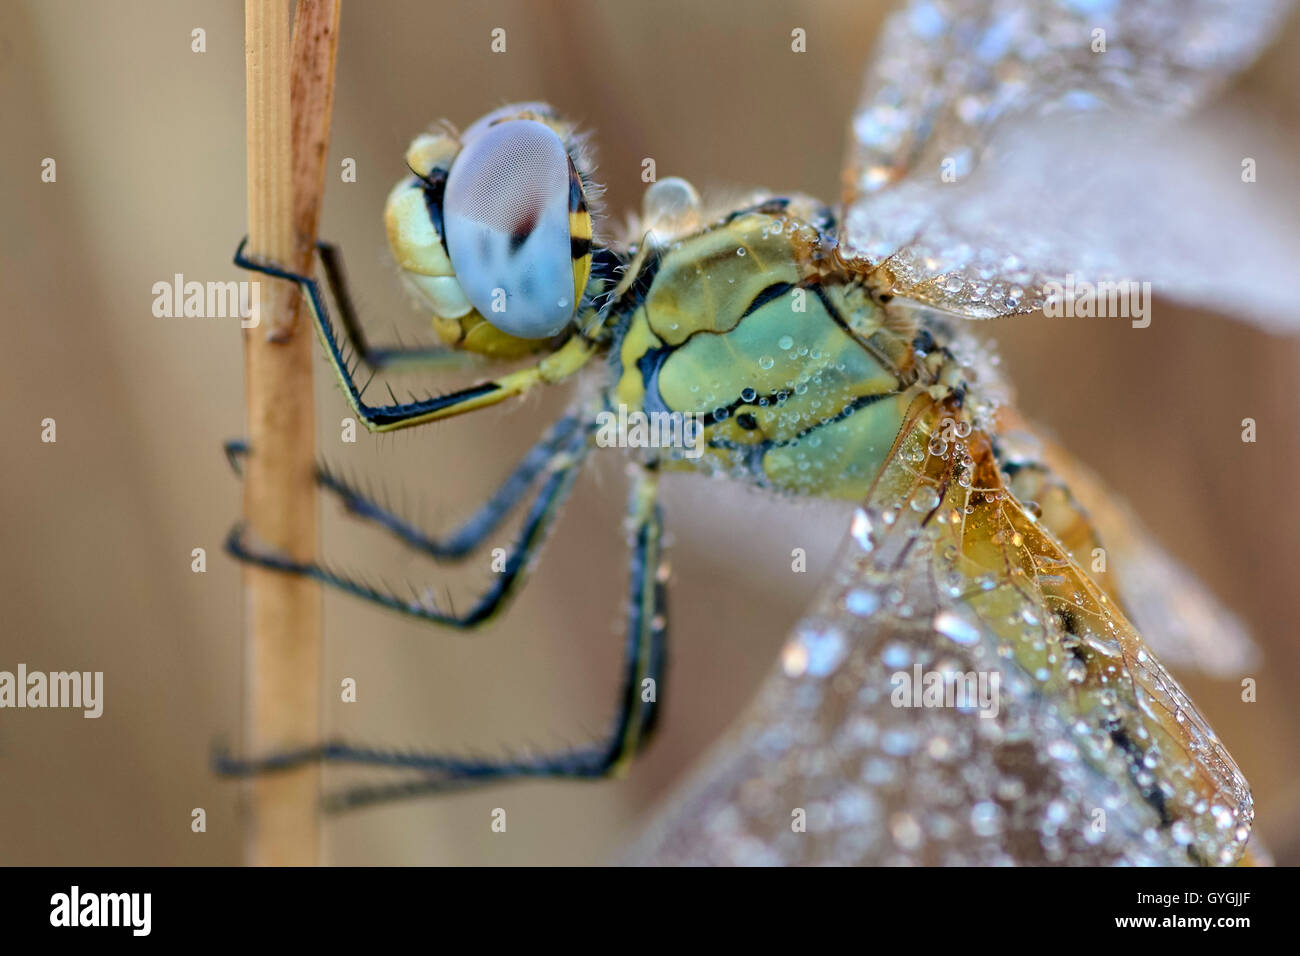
994, 151
1177, 616
1066, 742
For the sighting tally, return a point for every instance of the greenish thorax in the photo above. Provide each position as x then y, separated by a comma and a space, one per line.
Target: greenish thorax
798, 377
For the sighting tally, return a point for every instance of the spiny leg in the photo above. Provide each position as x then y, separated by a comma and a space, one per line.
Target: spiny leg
648, 600
637, 702
474, 530
647, 617
637, 709
554, 368
564, 464
378, 357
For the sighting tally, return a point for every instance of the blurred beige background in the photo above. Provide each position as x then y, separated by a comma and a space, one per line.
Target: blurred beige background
97, 529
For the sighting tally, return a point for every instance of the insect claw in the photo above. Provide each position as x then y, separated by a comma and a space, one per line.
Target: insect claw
235, 449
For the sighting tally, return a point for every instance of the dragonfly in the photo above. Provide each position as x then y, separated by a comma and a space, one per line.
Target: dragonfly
967, 688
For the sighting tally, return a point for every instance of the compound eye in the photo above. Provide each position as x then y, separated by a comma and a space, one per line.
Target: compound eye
511, 111
506, 221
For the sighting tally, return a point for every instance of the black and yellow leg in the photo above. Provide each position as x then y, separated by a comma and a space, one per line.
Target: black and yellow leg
464, 539
647, 621
379, 357
637, 701
563, 465
556, 367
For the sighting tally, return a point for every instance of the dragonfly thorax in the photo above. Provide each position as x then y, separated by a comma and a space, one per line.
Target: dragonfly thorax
796, 377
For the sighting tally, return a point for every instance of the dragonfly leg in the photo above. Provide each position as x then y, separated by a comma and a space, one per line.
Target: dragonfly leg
378, 357
466, 538
555, 367
637, 701
563, 465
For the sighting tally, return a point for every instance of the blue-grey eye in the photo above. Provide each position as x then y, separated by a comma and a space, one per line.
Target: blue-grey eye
506, 220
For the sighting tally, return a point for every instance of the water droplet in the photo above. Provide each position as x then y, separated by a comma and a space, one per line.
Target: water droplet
939, 748
794, 659
878, 771
926, 498
785, 343
896, 655
906, 831
955, 628
986, 818
815, 651
898, 743
1063, 751
765, 362
862, 603
1011, 788
860, 529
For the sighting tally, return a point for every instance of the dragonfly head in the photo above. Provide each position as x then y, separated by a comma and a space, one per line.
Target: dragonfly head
493, 231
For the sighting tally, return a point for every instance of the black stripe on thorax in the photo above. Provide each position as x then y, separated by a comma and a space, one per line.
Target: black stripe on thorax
772, 292
577, 198
838, 318
862, 401
769, 207
433, 189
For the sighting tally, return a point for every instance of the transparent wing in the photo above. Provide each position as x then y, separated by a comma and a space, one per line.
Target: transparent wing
1062, 739
997, 148
1178, 618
